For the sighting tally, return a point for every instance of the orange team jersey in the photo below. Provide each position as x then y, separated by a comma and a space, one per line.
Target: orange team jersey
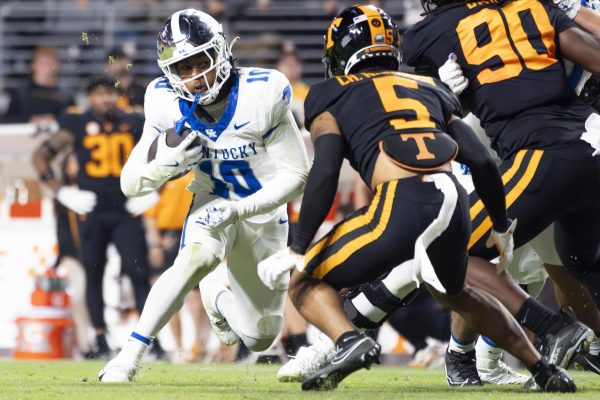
174, 203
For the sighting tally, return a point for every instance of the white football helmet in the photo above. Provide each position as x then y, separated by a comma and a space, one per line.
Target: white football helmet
187, 33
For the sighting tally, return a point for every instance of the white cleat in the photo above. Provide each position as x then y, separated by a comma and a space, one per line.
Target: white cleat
116, 371
211, 287
307, 360
498, 373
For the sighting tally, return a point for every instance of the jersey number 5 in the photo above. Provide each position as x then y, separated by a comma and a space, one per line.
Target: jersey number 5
508, 40
391, 102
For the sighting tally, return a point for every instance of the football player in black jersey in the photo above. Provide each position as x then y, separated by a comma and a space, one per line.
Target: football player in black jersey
400, 132
511, 53
102, 138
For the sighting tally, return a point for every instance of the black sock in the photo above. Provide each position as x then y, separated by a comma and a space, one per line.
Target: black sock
294, 342
536, 317
538, 367
346, 337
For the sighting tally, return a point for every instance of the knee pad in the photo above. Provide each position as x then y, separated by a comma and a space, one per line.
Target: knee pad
370, 305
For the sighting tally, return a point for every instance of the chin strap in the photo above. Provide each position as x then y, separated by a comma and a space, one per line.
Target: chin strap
233, 41
180, 125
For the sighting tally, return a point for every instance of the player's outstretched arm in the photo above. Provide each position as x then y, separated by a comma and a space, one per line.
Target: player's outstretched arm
286, 149
322, 180
486, 176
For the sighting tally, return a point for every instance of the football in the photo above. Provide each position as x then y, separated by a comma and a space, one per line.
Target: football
173, 139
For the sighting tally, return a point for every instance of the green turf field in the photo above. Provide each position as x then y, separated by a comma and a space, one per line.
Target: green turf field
78, 380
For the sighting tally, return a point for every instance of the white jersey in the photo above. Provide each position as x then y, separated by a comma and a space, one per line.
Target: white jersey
234, 163
253, 154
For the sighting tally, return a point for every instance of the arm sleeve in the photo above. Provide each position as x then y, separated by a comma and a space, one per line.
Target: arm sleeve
139, 177
286, 148
486, 177
320, 189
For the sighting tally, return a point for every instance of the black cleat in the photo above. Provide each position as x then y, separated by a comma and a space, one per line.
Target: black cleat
100, 349
156, 351
461, 369
550, 378
588, 362
566, 340
360, 352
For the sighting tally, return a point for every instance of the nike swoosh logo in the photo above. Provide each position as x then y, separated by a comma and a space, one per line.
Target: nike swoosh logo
342, 356
236, 126
282, 220
173, 165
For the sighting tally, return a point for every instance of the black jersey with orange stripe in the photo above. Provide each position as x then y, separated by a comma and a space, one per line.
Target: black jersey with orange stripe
510, 53
387, 110
102, 146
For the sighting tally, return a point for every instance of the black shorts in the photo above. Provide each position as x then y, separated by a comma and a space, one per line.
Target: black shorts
373, 240
544, 186
98, 229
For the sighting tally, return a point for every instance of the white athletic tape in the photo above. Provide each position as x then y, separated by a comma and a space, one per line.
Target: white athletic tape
434, 230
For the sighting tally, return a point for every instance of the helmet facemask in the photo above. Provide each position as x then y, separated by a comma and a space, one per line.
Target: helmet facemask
219, 55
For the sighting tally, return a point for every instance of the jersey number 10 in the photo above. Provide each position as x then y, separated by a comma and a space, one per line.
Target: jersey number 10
237, 178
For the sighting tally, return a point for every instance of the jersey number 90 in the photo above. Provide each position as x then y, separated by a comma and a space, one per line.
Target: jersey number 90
510, 39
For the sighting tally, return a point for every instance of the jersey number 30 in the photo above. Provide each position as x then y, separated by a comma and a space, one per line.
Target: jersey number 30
108, 154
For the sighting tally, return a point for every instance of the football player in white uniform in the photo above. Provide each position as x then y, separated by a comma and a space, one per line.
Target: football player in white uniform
249, 161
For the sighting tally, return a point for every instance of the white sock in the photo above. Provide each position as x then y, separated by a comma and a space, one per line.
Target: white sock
487, 350
595, 347
460, 347
323, 343
134, 349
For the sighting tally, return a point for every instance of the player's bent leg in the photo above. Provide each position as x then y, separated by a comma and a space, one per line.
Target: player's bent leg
252, 310
215, 287
491, 368
485, 314
166, 297
321, 305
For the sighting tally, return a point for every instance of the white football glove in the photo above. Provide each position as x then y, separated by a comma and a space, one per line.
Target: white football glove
171, 161
274, 271
139, 205
504, 244
452, 75
80, 201
218, 215
569, 7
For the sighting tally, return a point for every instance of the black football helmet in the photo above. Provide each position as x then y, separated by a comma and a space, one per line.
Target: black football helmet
357, 34
431, 5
